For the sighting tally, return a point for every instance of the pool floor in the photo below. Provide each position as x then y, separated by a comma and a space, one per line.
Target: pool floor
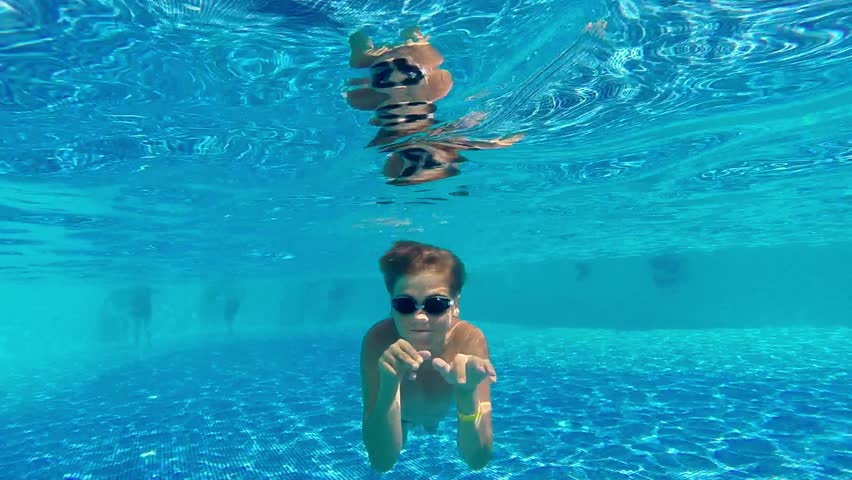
569, 404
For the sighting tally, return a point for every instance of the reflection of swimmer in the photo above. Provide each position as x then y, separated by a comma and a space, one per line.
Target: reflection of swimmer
405, 82
421, 161
424, 356
127, 308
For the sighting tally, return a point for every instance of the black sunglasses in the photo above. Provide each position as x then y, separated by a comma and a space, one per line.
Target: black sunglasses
434, 305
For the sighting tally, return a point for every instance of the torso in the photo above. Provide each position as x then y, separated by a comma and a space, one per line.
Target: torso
425, 400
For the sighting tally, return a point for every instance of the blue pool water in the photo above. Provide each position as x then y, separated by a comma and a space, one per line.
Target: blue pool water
660, 264
576, 404
135, 128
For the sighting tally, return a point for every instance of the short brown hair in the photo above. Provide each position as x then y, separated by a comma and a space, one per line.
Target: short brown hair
407, 257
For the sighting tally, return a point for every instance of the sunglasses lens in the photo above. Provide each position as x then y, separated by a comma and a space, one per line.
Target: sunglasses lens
404, 305
436, 305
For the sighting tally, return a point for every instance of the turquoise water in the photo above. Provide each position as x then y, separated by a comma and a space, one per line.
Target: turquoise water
660, 264
133, 129
577, 404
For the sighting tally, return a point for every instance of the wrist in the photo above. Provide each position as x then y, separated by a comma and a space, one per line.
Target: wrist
388, 382
467, 401
465, 389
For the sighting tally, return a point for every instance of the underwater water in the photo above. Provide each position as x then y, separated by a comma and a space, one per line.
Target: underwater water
575, 403
194, 146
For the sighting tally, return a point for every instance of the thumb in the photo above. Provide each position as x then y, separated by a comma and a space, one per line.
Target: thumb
426, 354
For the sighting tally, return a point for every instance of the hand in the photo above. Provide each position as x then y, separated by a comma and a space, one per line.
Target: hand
466, 372
401, 361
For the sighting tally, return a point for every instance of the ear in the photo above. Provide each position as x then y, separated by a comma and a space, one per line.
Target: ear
456, 304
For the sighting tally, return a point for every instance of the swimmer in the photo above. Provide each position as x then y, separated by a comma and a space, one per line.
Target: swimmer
423, 358
127, 307
232, 305
140, 312
405, 82
226, 295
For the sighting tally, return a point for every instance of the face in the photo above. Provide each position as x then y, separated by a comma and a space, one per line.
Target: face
424, 330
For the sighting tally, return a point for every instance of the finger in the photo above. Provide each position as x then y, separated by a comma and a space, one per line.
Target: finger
492, 374
402, 360
404, 349
394, 364
409, 362
441, 365
460, 368
443, 368
479, 367
387, 366
425, 355
409, 350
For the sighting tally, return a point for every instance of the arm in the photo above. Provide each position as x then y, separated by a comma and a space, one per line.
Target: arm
475, 438
381, 425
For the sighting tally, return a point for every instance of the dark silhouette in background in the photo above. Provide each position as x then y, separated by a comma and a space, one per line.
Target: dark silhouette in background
220, 303
668, 270
126, 311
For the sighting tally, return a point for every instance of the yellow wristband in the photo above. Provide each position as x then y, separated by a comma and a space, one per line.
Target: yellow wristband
473, 417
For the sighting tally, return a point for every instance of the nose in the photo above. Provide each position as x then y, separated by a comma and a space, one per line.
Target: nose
420, 318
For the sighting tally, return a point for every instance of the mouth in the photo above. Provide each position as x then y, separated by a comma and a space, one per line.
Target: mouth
421, 331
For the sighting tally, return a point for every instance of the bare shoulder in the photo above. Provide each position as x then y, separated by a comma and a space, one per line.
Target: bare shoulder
466, 338
379, 336
466, 329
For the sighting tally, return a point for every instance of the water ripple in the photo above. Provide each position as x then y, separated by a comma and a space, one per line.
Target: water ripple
239, 104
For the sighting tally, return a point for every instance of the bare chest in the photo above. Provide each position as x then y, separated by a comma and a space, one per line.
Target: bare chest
426, 400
